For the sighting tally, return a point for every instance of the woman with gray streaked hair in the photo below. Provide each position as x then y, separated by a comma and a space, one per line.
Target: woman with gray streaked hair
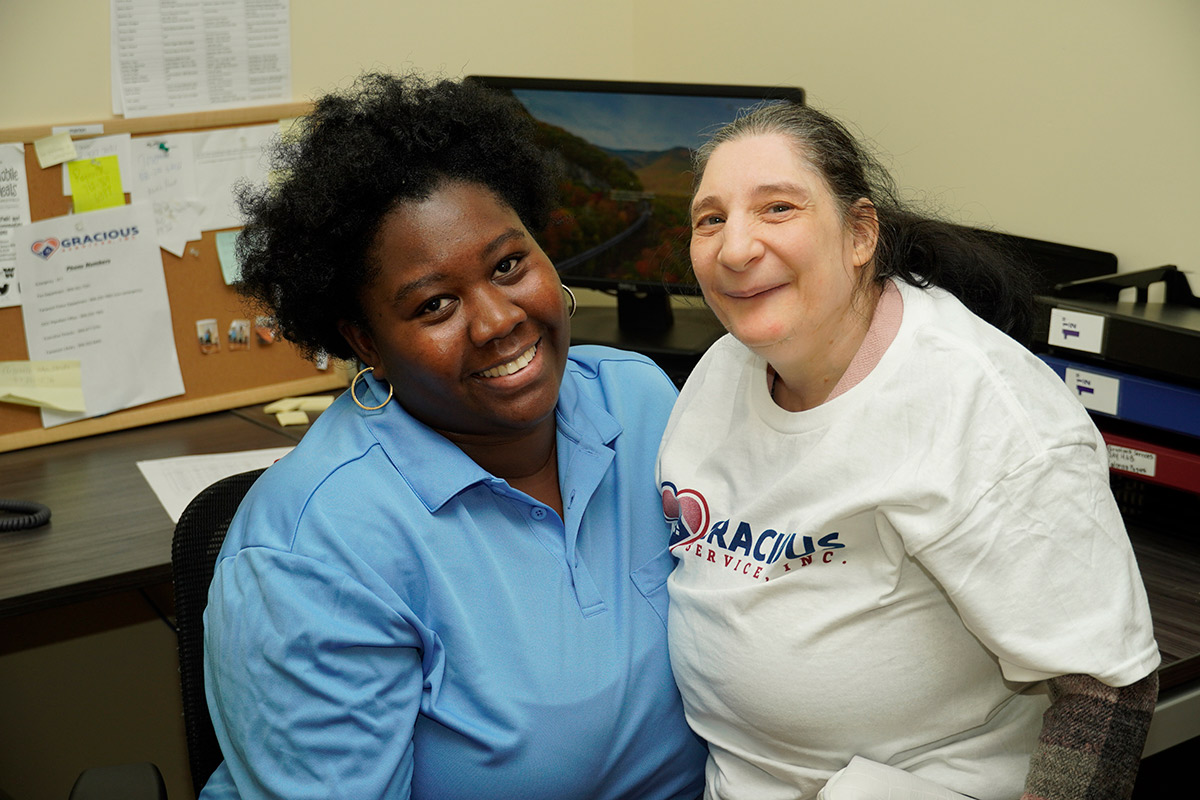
895, 535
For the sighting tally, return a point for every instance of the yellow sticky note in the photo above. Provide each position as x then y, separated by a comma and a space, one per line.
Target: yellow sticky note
47, 384
54, 149
292, 418
281, 405
315, 403
96, 183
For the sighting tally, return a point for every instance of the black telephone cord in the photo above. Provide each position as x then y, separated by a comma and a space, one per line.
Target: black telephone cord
28, 515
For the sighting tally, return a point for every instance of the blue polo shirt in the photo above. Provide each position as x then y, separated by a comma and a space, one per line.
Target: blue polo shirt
388, 620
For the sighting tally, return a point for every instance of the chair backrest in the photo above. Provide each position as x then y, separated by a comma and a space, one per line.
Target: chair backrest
198, 537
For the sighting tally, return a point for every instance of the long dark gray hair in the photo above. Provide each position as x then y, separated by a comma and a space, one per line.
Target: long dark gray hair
916, 248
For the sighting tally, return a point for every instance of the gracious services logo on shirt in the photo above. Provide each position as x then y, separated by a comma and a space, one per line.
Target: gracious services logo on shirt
760, 555
687, 512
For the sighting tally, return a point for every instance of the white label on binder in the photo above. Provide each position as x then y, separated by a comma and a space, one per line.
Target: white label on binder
1096, 392
1076, 330
1126, 459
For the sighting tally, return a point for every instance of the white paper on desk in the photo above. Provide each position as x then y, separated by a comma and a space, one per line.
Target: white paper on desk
223, 157
116, 145
195, 55
94, 291
14, 211
176, 481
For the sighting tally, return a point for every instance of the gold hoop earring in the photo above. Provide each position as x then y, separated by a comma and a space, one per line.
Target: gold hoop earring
574, 302
354, 396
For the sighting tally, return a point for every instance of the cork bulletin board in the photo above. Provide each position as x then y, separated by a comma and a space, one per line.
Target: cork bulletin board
196, 290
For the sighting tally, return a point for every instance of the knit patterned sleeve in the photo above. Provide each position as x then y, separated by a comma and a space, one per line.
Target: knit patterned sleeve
1091, 741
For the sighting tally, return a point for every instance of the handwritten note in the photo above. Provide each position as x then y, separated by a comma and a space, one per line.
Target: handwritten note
54, 149
224, 157
164, 175
96, 183
118, 145
47, 384
163, 168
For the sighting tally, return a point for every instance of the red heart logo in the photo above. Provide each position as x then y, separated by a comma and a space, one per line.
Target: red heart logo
46, 247
670, 502
687, 511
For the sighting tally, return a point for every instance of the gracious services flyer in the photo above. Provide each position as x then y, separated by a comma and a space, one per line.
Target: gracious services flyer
93, 289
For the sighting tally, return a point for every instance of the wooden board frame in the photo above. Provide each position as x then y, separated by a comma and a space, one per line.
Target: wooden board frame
196, 290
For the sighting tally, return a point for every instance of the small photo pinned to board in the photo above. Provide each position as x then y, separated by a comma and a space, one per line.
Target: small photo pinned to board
264, 329
239, 334
208, 336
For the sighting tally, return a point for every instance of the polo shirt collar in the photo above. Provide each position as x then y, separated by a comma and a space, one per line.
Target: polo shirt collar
437, 470
581, 418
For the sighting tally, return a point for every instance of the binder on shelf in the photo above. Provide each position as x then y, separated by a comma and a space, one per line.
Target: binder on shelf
1085, 319
1133, 398
1153, 462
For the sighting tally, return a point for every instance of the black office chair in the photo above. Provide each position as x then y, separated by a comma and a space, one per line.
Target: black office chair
198, 537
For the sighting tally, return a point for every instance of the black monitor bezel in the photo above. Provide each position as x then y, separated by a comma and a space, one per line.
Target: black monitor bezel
775, 92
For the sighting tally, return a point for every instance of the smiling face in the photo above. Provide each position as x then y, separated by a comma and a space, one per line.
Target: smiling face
777, 262
465, 316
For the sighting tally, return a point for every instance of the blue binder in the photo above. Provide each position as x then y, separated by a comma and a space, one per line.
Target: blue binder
1146, 401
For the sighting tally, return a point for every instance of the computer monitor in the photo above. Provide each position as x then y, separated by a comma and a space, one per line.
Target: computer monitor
625, 147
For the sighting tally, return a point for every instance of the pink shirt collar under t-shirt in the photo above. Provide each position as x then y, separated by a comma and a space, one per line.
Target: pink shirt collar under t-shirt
885, 324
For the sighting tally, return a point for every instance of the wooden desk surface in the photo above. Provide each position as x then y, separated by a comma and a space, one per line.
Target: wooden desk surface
1170, 565
107, 530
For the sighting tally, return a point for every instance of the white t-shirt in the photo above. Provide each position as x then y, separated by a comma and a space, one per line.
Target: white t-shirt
893, 573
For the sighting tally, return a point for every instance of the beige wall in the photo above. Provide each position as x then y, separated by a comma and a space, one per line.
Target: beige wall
1072, 120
